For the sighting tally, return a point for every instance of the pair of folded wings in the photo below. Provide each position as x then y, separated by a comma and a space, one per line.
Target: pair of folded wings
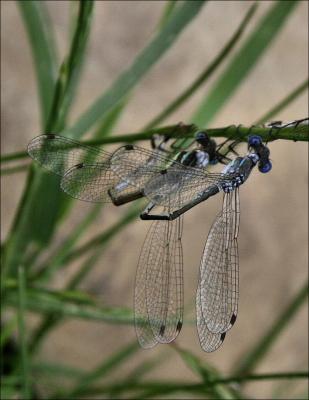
158, 301
89, 173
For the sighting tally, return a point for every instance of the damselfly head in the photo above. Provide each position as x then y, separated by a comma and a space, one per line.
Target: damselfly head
254, 140
265, 167
202, 138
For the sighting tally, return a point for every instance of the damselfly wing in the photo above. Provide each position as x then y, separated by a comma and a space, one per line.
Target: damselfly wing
158, 298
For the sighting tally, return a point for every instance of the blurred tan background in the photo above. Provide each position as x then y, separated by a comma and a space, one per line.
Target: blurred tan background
273, 234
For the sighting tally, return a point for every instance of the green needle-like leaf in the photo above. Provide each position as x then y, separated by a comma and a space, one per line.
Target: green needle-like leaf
42, 200
164, 387
70, 69
142, 64
283, 103
251, 359
207, 373
103, 369
243, 62
99, 243
69, 305
206, 74
42, 43
57, 259
22, 332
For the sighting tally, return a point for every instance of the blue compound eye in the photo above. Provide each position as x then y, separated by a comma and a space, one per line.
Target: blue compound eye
254, 140
264, 168
201, 137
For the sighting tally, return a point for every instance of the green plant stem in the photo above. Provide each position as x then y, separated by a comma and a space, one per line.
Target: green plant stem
283, 103
232, 132
22, 332
206, 74
164, 387
250, 360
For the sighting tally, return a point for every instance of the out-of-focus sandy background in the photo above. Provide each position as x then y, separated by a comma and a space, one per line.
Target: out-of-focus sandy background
273, 235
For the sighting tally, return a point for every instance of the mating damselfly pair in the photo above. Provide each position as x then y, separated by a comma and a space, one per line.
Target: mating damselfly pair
173, 183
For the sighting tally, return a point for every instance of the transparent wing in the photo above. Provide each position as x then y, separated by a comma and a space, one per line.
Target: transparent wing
85, 169
159, 285
58, 154
177, 188
152, 163
219, 268
90, 182
209, 341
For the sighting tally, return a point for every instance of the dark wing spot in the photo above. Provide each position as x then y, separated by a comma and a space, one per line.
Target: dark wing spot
162, 330
129, 147
51, 136
222, 337
179, 326
79, 165
163, 171
233, 319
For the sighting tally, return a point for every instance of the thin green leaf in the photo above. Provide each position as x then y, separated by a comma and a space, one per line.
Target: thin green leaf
251, 358
142, 64
243, 62
283, 103
110, 120
167, 12
102, 370
137, 373
7, 329
206, 74
8, 392
100, 243
70, 69
57, 259
166, 387
57, 369
14, 170
207, 373
44, 301
42, 200
13, 156
103, 238
25, 368
42, 43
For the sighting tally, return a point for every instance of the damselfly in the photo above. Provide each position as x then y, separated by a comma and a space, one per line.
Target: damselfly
176, 185
130, 172
158, 283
